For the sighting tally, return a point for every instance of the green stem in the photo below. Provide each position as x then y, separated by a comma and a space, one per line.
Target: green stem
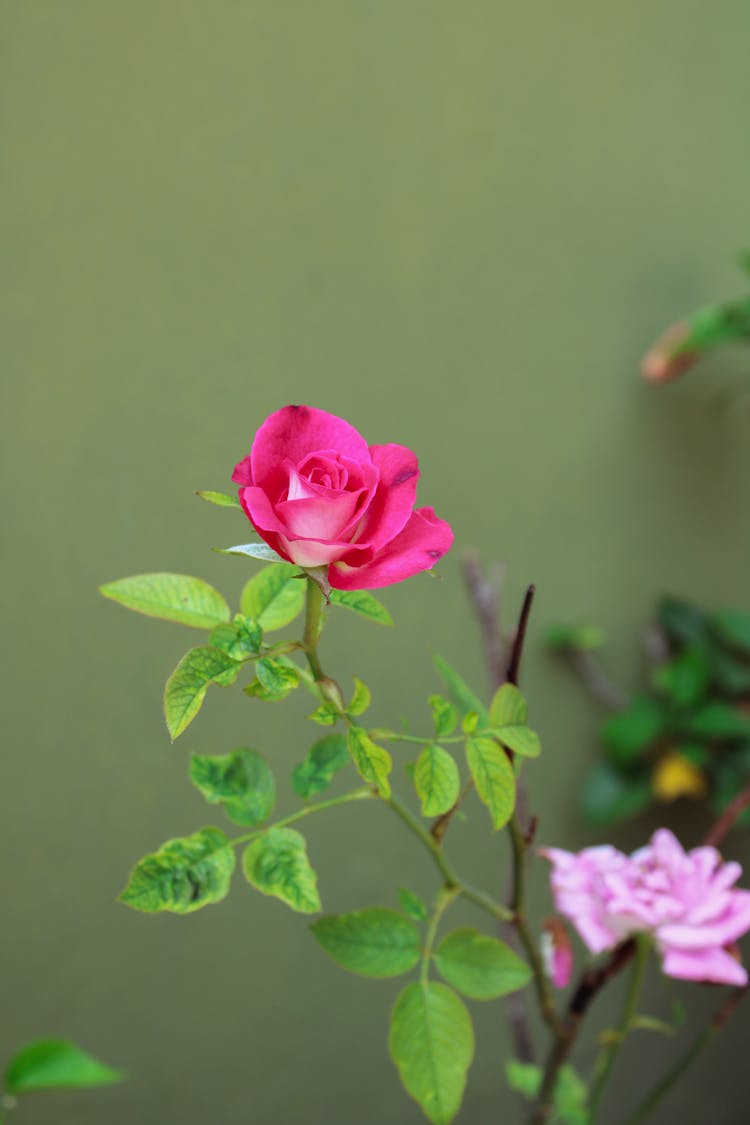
450, 876
314, 617
531, 948
660, 1091
632, 996
444, 899
307, 810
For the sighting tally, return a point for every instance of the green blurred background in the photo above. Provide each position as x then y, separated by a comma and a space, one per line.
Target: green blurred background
457, 225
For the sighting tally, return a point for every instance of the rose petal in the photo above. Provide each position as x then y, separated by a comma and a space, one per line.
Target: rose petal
713, 965
423, 541
394, 497
294, 432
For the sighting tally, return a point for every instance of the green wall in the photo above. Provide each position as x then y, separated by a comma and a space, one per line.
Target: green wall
456, 224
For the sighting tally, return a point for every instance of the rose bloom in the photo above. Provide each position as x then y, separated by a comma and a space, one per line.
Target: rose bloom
320, 496
685, 900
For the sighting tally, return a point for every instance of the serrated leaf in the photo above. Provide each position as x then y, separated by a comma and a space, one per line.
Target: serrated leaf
376, 942
460, 692
372, 761
444, 716
323, 761
184, 875
220, 499
276, 864
277, 677
363, 603
171, 597
274, 596
256, 550
479, 966
242, 781
185, 689
508, 707
493, 776
240, 640
325, 715
361, 699
412, 905
55, 1064
431, 1041
630, 733
436, 780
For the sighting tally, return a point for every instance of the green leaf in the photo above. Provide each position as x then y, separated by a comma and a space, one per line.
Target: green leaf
480, 966
220, 499
251, 551
608, 795
494, 778
684, 623
376, 942
571, 1097
361, 699
325, 715
508, 716
721, 722
240, 640
583, 638
444, 716
432, 1043
172, 597
685, 678
570, 1094
523, 1078
274, 596
276, 864
733, 629
470, 722
629, 734
241, 781
372, 761
412, 905
460, 692
508, 707
436, 780
54, 1064
363, 603
185, 689
277, 677
323, 761
184, 875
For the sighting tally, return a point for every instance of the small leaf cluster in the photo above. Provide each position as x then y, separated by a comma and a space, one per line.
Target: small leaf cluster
431, 1037
687, 733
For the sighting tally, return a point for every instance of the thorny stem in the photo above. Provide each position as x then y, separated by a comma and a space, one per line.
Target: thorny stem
660, 1091
632, 997
589, 986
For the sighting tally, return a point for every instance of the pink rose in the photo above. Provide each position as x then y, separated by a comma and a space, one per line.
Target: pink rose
320, 496
685, 900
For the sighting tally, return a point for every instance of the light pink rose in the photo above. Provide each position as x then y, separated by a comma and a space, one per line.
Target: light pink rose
319, 495
685, 900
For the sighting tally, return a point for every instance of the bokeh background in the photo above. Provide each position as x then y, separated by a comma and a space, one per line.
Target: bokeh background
457, 225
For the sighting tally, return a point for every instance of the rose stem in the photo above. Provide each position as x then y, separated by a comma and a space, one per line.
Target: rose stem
314, 618
655, 1096
632, 997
